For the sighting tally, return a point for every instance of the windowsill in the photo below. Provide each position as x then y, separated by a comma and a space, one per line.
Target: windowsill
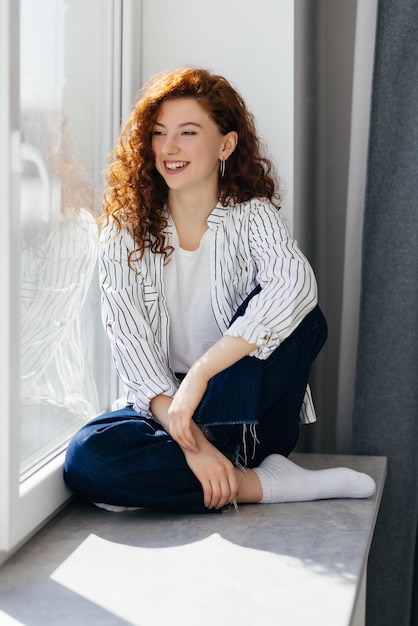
95, 567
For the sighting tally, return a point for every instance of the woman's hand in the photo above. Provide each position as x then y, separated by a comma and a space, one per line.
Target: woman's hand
182, 409
214, 471
222, 354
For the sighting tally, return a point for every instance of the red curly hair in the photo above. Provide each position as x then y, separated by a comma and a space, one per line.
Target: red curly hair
136, 196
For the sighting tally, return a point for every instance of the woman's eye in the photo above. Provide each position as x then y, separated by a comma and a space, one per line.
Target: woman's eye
188, 133
157, 133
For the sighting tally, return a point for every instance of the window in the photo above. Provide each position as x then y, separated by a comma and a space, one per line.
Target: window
62, 65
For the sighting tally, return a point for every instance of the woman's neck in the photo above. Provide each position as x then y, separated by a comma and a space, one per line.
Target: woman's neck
188, 207
189, 213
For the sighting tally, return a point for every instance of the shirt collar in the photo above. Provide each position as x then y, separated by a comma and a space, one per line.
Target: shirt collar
217, 216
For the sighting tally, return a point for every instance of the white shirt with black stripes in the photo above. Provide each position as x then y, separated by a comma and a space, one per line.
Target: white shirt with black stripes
251, 245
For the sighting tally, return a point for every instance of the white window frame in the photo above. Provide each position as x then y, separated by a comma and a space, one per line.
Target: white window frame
27, 505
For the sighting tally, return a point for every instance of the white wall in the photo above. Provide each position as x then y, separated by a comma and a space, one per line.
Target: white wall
251, 44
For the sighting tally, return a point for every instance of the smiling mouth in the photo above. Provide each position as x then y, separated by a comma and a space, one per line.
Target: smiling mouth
175, 165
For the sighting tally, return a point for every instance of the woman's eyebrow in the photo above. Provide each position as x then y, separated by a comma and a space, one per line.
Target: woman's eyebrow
191, 124
181, 125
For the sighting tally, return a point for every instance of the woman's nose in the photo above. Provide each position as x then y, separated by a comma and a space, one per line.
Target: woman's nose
170, 145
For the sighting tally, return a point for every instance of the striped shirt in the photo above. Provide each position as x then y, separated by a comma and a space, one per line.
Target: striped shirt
57, 268
251, 245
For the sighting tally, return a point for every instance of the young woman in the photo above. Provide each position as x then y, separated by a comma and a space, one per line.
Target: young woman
211, 311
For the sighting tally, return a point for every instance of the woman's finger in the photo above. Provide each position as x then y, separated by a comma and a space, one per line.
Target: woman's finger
184, 438
207, 493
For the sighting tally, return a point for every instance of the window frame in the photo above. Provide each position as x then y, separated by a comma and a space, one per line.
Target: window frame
26, 505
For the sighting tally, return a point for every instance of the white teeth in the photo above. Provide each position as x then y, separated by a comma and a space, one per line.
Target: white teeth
176, 166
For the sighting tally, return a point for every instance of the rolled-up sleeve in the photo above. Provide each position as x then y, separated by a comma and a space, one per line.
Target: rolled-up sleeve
288, 285
139, 359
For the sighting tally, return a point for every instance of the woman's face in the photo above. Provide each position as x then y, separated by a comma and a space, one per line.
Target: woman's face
187, 145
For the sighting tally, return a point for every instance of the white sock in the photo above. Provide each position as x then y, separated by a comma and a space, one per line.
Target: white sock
114, 508
284, 481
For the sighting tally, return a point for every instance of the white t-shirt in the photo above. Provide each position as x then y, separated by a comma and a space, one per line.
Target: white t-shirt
193, 328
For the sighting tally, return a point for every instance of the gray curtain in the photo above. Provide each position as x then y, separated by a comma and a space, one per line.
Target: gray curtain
386, 399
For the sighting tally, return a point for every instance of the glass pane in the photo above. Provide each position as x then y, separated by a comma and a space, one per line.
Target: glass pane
64, 121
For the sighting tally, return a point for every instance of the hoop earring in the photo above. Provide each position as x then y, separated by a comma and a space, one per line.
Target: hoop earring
222, 168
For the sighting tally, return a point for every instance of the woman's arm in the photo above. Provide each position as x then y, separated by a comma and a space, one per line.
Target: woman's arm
225, 352
140, 359
288, 285
214, 471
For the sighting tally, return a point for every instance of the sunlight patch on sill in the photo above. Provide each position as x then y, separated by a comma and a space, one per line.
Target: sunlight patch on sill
199, 581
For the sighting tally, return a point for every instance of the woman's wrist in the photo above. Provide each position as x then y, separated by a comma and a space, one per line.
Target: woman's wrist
159, 408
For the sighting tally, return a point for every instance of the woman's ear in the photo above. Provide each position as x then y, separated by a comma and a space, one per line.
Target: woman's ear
229, 144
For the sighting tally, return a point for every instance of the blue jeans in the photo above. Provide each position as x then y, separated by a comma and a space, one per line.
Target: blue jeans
122, 458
